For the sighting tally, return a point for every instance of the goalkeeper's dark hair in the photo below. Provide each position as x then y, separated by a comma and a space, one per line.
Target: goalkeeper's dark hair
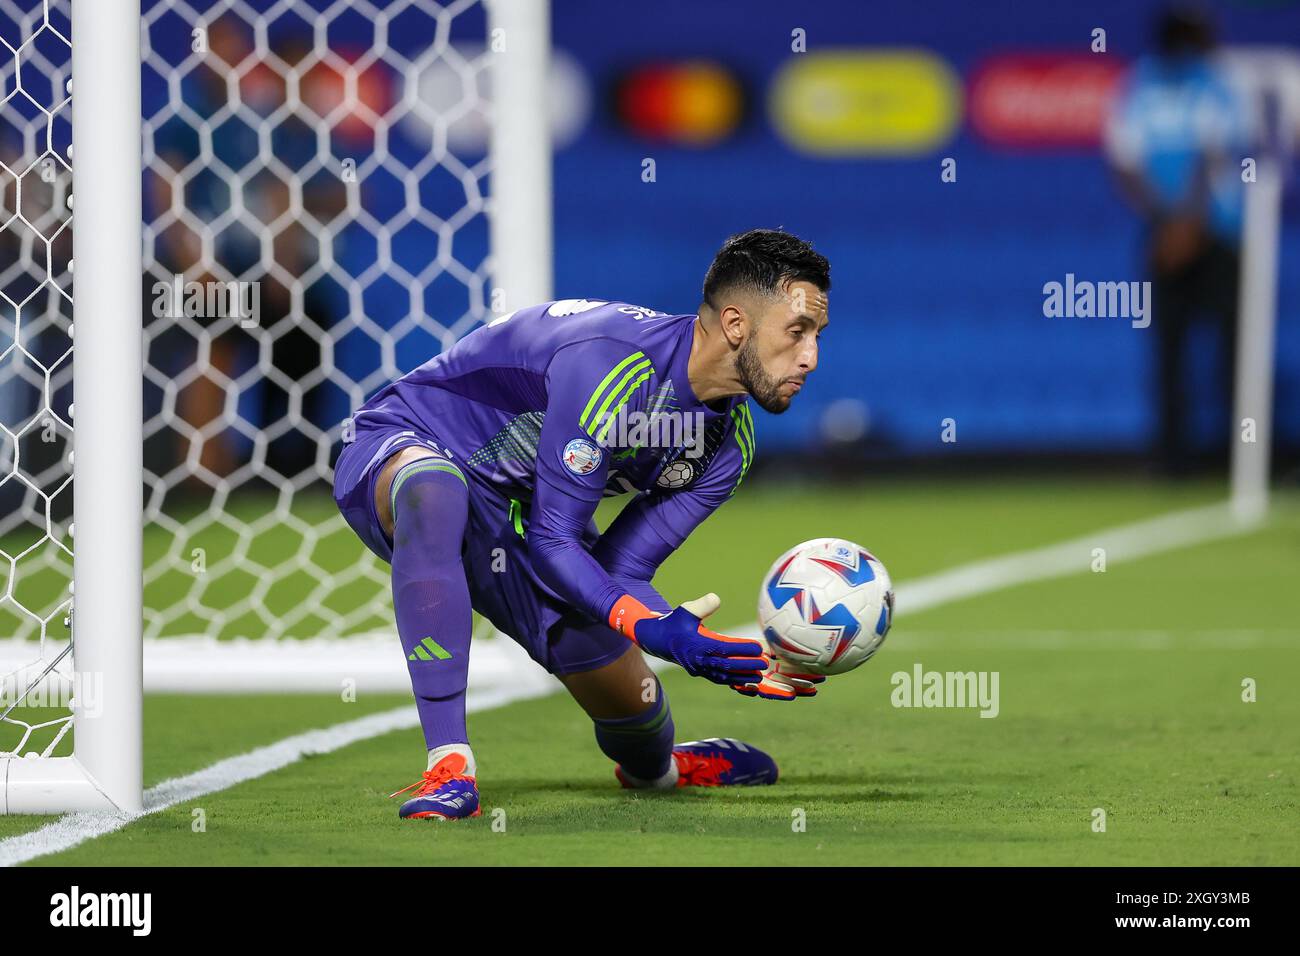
764, 261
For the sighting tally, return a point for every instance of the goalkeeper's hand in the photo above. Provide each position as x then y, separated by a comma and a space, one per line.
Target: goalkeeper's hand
782, 681
678, 636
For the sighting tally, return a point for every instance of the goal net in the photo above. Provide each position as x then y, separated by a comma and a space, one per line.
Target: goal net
316, 222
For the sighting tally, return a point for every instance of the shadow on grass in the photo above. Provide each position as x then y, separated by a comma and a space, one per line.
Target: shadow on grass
853, 790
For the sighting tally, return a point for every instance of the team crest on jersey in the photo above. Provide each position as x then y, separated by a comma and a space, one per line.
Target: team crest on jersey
581, 456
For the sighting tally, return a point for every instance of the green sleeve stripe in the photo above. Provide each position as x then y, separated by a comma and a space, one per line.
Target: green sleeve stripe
740, 441
604, 384
749, 430
627, 394
744, 433
620, 387
746, 429
415, 468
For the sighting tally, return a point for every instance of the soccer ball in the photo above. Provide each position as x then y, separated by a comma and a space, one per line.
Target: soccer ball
826, 605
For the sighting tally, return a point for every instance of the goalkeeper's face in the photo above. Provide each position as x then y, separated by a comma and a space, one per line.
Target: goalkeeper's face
781, 349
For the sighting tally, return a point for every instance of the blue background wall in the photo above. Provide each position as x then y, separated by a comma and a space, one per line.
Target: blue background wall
937, 300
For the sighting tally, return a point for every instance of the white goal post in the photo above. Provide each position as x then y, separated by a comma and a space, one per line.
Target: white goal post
1270, 79
104, 771
171, 590
521, 153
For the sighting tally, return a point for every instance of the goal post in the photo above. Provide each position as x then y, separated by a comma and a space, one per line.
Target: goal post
1256, 337
519, 36
378, 174
1269, 79
105, 770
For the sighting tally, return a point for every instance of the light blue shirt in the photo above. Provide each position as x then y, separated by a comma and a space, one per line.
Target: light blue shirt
1174, 115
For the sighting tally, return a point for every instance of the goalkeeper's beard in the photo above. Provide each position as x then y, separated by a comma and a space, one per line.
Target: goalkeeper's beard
762, 388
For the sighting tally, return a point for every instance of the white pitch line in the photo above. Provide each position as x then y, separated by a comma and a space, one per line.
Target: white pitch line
1124, 543
1179, 529
1104, 639
75, 828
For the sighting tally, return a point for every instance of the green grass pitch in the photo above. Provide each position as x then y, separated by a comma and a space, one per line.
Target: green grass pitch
1119, 691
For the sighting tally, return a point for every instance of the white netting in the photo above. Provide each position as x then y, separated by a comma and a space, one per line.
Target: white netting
304, 147
35, 367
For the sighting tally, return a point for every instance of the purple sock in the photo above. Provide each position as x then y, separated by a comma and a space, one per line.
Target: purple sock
430, 594
643, 744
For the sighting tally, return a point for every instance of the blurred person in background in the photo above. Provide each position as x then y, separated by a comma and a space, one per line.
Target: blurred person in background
1175, 139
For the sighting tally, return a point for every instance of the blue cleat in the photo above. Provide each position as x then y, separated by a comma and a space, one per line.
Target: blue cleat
444, 793
717, 762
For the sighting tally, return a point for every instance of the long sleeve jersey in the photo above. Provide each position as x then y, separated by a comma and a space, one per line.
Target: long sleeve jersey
560, 404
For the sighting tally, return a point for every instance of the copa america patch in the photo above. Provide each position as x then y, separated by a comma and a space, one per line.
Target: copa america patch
581, 456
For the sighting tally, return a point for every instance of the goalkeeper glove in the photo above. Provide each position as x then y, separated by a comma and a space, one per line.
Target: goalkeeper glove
678, 636
783, 680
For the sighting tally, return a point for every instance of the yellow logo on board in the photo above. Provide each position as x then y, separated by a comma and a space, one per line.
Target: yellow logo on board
866, 102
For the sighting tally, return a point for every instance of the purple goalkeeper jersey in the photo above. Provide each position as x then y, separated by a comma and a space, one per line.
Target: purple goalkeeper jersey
560, 404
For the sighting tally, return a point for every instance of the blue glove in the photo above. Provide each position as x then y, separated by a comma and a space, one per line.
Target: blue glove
678, 636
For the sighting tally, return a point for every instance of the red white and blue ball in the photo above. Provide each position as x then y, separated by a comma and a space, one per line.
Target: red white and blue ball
826, 605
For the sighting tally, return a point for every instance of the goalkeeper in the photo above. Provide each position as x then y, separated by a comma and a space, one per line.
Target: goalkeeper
476, 477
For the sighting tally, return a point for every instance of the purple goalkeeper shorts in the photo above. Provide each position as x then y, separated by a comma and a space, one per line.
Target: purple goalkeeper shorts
503, 586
